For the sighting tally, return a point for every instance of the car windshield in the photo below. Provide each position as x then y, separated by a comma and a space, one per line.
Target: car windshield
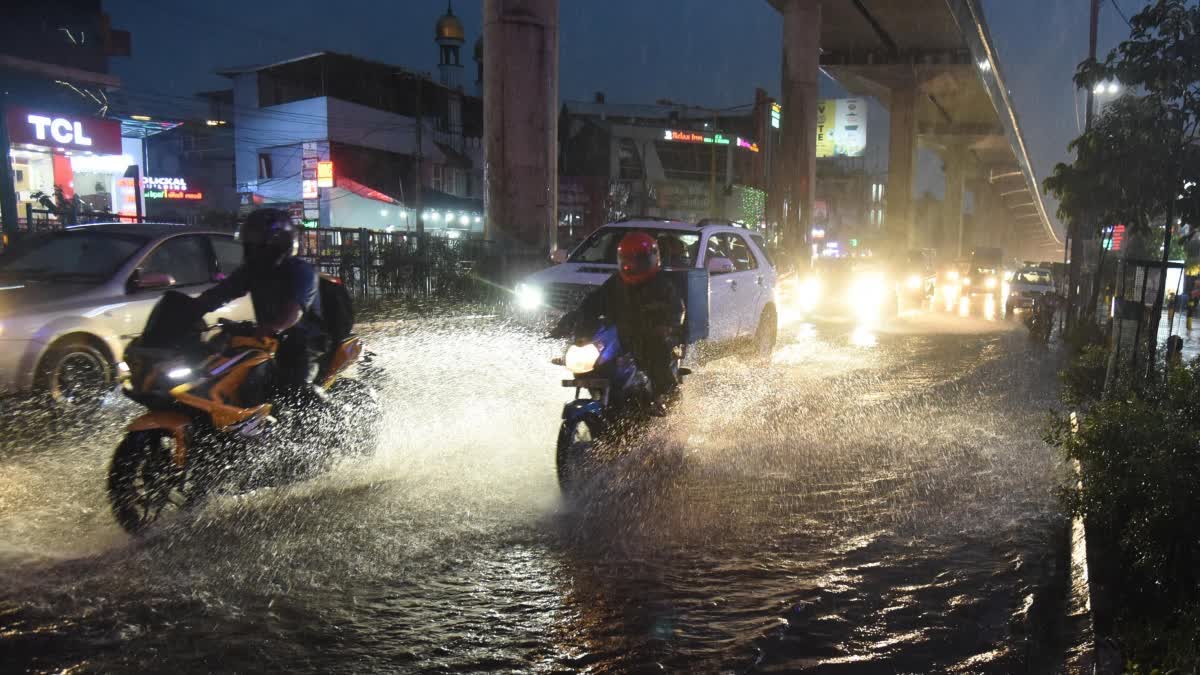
678, 247
1040, 277
69, 255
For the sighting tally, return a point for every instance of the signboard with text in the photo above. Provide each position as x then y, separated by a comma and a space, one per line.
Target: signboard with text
157, 187
61, 130
841, 127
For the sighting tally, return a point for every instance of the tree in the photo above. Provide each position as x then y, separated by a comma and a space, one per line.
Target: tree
1140, 164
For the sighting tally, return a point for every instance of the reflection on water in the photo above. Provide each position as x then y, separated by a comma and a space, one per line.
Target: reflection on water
863, 336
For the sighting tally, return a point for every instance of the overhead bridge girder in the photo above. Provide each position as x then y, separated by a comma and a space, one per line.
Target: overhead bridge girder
903, 57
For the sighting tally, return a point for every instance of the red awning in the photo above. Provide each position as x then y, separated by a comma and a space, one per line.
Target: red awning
351, 185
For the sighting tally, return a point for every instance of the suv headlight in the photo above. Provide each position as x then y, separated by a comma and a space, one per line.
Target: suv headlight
529, 297
580, 360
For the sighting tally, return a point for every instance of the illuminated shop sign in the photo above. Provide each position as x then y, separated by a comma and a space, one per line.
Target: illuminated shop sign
308, 189
324, 174
158, 187
776, 115
682, 136
749, 145
68, 132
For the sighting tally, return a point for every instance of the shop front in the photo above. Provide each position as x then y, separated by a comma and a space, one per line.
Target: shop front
71, 163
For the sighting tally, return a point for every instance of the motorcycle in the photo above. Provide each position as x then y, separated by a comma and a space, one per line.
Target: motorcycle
619, 397
209, 424
1039, 320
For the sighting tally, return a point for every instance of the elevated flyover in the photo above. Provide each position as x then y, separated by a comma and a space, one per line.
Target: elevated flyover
933, 64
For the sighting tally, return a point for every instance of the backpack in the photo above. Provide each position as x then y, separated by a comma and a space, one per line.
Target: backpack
337, 308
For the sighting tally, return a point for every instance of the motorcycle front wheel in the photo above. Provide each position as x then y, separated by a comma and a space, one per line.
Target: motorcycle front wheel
573, 458
144, 485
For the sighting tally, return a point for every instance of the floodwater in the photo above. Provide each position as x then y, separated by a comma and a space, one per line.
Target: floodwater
871, 501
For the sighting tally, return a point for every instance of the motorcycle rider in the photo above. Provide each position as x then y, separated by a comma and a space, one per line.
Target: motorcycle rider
284, 292
646, 308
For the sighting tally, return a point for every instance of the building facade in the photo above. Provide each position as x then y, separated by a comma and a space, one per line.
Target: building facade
405, 150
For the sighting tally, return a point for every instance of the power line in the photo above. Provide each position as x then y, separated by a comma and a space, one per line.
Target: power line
1121, 13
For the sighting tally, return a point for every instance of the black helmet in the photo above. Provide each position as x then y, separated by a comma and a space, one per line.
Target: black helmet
268, 237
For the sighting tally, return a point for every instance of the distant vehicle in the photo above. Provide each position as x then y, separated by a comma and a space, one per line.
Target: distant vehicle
852, 287
985, 274
741, 275
917, 276
70, 301
1028, 285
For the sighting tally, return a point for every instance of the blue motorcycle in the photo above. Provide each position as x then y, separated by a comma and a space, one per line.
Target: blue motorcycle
612, 394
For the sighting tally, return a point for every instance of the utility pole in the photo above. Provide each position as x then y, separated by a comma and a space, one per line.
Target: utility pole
1075, 231
419, 155
712, 171
8, 196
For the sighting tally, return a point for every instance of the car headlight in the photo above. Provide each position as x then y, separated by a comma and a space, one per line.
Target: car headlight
990, 282
529, 297
866, 290
580, 360
808, 293
913, 282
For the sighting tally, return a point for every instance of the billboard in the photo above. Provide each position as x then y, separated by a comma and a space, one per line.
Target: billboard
841, 127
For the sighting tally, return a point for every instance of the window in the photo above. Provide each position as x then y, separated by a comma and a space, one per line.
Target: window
229, 253
601, 246
264, 165
78, 254
716, 248
762, 246
739, 251
186, 259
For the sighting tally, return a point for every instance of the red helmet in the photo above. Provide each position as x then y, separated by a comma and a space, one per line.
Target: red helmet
637, 258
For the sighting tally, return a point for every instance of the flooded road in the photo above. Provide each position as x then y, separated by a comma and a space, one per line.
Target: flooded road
868, 502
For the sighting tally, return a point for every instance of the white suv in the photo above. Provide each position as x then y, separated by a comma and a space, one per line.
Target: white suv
741, 277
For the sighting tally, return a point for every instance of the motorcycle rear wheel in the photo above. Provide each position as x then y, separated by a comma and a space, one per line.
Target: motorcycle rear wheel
144, 485
573, 457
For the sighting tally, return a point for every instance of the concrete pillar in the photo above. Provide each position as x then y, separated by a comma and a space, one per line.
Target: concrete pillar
798, 151
520, 107
902, 167
955, 157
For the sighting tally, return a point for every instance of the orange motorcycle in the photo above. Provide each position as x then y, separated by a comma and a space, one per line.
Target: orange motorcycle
209, 424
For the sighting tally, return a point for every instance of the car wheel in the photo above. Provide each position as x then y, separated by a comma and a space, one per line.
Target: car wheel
74, 373
766, 333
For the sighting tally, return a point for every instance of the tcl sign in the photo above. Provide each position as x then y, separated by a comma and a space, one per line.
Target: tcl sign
62, 130
56, 130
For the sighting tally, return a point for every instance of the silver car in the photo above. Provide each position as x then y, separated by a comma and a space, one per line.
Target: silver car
71, 300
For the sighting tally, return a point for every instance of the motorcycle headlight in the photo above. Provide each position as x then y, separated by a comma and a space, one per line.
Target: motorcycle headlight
913, 282
580, 360
990, 283
178, 374
529, 297
966, 281
952, 275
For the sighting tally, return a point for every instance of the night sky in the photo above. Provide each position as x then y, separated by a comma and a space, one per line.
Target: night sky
706, 52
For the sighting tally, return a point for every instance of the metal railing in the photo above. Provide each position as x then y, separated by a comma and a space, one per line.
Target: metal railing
45, 220
372, 263
376, 264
